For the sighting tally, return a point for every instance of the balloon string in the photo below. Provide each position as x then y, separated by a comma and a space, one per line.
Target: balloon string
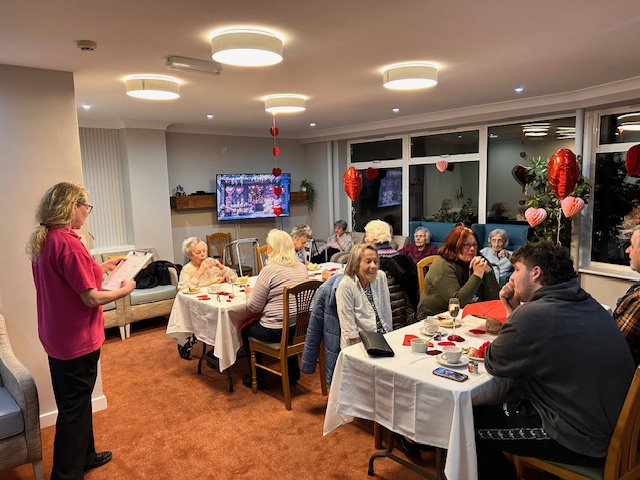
353, 218
559, 225
275, 157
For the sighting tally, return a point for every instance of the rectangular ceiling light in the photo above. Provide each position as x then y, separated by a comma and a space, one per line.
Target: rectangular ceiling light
193, 65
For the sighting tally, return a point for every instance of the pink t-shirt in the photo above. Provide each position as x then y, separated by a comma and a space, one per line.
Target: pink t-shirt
66, 326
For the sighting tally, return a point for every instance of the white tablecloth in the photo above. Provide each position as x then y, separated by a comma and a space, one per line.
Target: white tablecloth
402, 394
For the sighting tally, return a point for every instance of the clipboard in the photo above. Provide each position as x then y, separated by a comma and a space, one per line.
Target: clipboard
126, 270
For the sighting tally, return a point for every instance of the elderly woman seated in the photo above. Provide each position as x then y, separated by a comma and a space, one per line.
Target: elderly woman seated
301, 234
401, 273
498, 255
421, 247
340, 241
201, 271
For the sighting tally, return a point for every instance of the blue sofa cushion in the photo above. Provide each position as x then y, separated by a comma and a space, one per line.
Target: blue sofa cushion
438, 230
11, 418
517, 233
155, 294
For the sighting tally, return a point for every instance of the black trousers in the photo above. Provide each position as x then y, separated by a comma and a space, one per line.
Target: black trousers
256, 330
319, 258
73, 447
516, 428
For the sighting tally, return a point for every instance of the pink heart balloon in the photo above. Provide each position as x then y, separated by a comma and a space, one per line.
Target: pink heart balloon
535, 216
571, 206
442, 165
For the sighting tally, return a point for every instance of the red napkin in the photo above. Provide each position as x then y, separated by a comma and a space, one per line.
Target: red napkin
203, 297
477, 331
333, 269
407, 339
491, 308
447, 344
434, 352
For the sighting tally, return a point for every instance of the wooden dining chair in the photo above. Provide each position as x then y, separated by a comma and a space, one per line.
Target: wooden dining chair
301, 296
216, 243
622, 460
422, 266
261, 256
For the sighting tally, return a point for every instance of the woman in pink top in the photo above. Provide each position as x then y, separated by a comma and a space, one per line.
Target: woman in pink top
283, 269
70, 322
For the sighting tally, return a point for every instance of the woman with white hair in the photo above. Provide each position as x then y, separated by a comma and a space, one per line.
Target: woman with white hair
202, 270
378, 233
421, 247
301, 234
498, 255
283, 269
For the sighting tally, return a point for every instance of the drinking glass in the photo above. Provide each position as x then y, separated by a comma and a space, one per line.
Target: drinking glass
454, 312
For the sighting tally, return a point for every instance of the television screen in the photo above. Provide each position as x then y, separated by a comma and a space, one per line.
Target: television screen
252, 195
390, 192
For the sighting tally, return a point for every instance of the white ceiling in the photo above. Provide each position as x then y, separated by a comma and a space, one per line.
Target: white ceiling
334, 52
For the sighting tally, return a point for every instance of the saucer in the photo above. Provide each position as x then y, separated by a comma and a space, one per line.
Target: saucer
424, 332
191, 293
458, 325
477, 359
461, 362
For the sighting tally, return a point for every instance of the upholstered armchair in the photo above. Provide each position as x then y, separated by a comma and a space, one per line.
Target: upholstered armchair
20, 440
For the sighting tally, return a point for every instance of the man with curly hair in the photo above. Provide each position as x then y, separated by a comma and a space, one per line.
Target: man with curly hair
569, 366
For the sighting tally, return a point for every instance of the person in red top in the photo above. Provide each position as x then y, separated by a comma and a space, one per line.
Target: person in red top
70, 322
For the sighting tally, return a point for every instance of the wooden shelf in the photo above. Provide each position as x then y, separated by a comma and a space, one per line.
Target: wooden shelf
194, 202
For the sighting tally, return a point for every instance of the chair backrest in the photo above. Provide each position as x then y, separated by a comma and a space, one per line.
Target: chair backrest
261, 256
234, 254
422, 267
623, 449
303, 294
216, 243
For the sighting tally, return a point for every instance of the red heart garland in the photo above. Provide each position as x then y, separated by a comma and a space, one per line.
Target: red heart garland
277, 191
276, 151
371, 173
276, 172
277, 211
273, 131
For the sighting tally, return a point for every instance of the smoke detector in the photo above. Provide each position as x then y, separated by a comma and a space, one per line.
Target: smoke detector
86, 45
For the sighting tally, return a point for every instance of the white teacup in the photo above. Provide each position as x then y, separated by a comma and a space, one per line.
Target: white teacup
215, 288
419, 345
431, 325
451, 354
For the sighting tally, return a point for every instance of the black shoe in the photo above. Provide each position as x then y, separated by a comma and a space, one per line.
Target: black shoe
101, 459
293, 379
246, 381
410, 448
185, 351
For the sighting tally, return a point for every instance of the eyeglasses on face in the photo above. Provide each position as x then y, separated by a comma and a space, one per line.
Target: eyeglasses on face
89, 207
469, 246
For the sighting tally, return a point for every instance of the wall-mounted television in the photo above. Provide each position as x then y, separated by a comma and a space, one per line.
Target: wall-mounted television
390, 192
243, 196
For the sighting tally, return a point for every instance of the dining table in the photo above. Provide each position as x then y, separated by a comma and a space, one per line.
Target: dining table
402, 394
214, 315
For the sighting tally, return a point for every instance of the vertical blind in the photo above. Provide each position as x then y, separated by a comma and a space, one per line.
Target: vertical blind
102, 173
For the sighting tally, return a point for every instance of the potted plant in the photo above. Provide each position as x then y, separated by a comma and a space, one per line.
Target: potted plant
307, 186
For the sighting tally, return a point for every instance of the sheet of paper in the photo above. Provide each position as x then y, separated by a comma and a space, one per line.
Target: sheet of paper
126, 270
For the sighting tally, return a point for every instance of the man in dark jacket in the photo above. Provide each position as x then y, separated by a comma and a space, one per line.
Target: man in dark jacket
570, 366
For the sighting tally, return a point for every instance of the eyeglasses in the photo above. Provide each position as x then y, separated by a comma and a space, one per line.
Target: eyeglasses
89, 207
469, 246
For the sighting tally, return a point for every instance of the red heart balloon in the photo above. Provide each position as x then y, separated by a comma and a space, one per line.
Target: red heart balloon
276, 151
273, 131
352, 182
632, 163
519, 173
277, 211
371, 173
563, 172
277, 191
276, 172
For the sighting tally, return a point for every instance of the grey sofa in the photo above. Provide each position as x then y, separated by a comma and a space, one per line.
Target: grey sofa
20, 440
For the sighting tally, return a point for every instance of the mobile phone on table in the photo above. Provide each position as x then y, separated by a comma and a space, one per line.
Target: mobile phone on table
450, 374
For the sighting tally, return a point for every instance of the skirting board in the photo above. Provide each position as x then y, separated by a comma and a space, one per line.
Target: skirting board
48, 419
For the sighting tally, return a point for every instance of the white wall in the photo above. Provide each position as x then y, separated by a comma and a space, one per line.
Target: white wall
40, 147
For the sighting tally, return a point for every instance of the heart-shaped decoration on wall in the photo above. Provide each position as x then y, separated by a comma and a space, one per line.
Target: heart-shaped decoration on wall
571, 206
276, 151
442, 165
277, 211
277, 191
535, 216
276, 172
371, 173
273, 131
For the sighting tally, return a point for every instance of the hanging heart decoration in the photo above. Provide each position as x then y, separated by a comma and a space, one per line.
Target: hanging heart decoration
277, 191
277, 211
562, 172
276, 151
276, 172
571, 206
632, 163
442, 165
535, 216
519, 173
273, 131
352, 182
371, 173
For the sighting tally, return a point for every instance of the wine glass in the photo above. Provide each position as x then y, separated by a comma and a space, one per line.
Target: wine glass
454, 312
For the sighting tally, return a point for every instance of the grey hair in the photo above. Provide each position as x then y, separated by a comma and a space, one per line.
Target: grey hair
378, 231
426, 232
502, 233
189, 244
302, 231
340, 223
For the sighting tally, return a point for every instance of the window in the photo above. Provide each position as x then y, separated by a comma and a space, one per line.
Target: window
455, 143
380, 198
376, 151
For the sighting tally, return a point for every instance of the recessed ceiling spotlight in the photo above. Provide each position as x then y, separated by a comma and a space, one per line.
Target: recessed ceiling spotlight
209, 116
519, 89
395, 110
86, 106
312, 124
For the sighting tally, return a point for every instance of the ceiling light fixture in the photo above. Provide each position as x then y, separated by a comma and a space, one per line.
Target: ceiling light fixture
284, 103
627, 122
193, 65
410, 76
519, 89
209, 116
246, 47
86, 106
152, 87
395, 110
